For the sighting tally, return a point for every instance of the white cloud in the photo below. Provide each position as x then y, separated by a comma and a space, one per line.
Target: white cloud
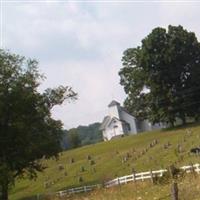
81, 44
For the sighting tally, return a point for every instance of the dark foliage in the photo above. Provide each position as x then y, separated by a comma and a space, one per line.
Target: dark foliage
84, 135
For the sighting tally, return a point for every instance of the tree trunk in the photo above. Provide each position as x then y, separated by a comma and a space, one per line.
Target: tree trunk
171, 123
183, 118
4, 191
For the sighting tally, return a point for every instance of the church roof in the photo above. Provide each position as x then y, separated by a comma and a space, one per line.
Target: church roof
105, 122
113, 103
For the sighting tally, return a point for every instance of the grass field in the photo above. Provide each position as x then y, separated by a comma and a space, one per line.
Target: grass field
111, 159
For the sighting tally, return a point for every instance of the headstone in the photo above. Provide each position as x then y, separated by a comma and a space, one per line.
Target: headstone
92, 162
82, 169
80, 179
89, 157
72, 160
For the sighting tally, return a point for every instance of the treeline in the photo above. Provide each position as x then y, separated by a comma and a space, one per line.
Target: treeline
82, 135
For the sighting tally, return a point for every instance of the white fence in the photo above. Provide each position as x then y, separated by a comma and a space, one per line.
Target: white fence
135, 177
86, 188
129, 178
191, 168
148, 175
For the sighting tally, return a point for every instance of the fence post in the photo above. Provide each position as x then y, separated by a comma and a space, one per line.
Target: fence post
118, 181
125, 180
38, 196
192, 169
134, 177
60, 194
197, 168
174, 191
142, 177
73, 191
103, 184
151, 174
172, 170
161, 173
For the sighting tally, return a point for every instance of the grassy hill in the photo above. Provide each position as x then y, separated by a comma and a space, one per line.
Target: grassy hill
111, 159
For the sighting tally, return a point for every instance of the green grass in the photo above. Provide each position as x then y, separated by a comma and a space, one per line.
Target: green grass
108, 163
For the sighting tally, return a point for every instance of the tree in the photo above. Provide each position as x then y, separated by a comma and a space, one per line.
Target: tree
73, 138
28, 133
90, 134
160, 77
86, 135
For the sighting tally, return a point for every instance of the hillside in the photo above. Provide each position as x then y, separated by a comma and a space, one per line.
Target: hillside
152, 150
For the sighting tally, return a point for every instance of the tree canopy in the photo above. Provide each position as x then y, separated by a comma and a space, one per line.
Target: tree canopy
84, 135
161, 76
28, 132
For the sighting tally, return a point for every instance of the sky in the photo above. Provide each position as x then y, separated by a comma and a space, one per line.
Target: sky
81, 43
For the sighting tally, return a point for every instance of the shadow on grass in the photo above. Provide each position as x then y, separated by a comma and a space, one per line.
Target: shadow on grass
19, 189
30, 198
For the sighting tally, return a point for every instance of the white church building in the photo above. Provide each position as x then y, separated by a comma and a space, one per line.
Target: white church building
119, 122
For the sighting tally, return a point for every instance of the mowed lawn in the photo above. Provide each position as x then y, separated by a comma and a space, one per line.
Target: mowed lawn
111, 159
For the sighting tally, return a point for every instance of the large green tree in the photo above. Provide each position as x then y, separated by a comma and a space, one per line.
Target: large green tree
161, 77
28, 133
73, 138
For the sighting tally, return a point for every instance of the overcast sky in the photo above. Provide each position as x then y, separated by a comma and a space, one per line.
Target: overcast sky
81, 44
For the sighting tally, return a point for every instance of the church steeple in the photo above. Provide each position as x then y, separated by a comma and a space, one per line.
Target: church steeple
114, 103
114, 108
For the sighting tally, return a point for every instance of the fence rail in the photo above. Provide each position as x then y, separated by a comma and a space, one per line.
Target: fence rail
135, 177
191, 168
148, 175
129, 178
85, 188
